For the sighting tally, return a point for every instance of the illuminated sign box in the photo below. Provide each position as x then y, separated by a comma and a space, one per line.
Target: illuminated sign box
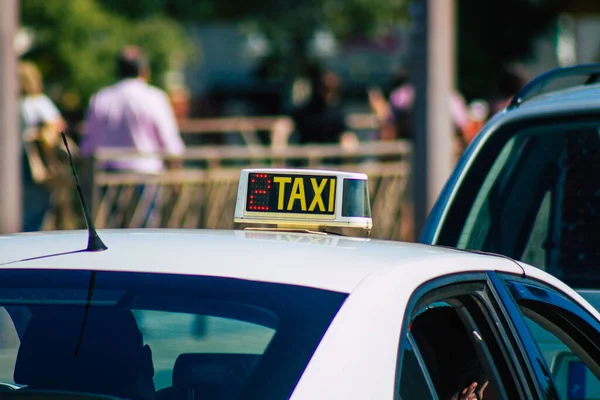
303, 198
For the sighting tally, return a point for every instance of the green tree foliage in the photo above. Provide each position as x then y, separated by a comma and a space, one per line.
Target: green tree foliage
76, 40
76, 43
363, 17
345, 17
289, 24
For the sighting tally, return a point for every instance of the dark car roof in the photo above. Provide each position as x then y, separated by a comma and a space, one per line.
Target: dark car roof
574, 99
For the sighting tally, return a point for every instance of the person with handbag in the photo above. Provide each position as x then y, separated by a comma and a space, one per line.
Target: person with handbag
41, 125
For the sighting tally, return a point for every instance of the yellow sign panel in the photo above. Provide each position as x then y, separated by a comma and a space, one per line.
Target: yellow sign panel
297, 194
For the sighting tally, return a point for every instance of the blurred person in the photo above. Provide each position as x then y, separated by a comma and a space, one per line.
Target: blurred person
180, 102
388, 129
478, 115
395, 119
132, 114
321, 118
398, 108
394, 122
40, 124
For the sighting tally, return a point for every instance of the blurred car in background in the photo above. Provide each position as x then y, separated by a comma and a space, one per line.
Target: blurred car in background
528, 187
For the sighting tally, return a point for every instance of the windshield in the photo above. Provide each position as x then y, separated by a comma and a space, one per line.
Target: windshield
537, 201
147, 336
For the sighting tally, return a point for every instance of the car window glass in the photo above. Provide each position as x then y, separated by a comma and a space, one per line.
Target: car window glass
200, 334
572, 378
158, 336
540, 201
566, 336
535, 249
459, 346
9, 346
479, 219
413, 383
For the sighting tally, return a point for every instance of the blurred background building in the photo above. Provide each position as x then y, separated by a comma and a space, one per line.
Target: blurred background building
241, 58
239, 68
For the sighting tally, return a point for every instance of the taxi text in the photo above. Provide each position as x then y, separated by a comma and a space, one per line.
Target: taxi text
305, 194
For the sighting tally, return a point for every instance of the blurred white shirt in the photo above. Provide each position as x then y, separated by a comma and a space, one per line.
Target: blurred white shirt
132, 115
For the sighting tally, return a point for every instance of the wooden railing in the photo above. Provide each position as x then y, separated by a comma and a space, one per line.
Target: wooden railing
203, 194
278, 128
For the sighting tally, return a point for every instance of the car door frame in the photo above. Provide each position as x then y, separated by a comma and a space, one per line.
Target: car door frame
524, 341
514, 354
550, 296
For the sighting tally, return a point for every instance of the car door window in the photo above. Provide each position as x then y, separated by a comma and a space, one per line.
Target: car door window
457, 338
566, 336
413, 378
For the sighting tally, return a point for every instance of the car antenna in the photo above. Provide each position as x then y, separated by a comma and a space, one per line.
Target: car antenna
94, 241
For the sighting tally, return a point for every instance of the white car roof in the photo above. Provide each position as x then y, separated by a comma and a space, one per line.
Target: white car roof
313, 260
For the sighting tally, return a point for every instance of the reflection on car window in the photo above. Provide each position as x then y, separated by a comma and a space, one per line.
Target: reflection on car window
170, 334
572, 378
9, 346
535, 251
540, 201
413, 383
477, 224
158, 336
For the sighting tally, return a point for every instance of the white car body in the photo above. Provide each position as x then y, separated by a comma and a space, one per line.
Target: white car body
357, 357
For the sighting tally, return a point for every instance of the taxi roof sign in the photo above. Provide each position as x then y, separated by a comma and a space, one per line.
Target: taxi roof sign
303, 198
